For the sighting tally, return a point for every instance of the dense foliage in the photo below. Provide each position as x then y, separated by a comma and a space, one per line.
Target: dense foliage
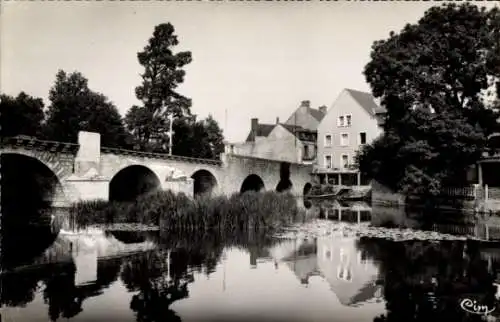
21, 115
437, 80
75, 107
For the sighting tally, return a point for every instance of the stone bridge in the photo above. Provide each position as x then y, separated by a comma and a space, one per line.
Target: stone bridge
86, 171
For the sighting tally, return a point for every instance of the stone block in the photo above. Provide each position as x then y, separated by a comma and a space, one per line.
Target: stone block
89, 154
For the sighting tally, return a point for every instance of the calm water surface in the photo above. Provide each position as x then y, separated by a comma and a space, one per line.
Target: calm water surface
117, 276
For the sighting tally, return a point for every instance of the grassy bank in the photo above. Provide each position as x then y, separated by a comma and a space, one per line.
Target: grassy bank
177, 212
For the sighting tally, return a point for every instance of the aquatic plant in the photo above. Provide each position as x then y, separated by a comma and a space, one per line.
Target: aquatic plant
178, 212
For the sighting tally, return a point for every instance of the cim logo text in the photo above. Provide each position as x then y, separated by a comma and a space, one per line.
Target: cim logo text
473, 307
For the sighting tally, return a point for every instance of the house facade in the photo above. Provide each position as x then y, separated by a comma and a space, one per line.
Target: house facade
294, 141
286, 143
352, 121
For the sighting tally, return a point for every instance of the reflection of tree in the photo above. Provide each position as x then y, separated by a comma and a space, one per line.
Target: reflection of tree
159, 284
59, 291
61, 294
427, 281
18, 289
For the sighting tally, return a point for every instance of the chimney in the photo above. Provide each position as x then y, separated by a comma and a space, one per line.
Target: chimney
277, 120
322, 109
306, 103
254, 126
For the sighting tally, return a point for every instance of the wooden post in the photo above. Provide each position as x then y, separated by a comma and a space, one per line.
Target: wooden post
340, 178
486, 193
487, 232
340, 213
359, 216
359, 178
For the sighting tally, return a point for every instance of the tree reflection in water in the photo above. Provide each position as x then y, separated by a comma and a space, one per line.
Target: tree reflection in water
425, 281
61, 294
162, 276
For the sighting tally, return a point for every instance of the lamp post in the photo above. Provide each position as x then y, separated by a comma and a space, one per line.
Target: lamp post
170, 133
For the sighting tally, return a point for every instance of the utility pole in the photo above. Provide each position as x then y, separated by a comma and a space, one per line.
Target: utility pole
170, 133
225, 120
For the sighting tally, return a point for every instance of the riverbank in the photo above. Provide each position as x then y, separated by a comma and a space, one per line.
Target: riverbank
177, 212
325, 191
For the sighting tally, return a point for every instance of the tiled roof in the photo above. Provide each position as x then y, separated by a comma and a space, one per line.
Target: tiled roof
294, 129
317, 114
367, 101
262, 130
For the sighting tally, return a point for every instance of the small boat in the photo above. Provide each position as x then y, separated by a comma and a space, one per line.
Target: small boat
328, 195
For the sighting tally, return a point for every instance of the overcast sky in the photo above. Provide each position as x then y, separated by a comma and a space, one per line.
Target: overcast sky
250, 59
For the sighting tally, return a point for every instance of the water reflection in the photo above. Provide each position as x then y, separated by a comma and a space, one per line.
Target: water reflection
346, 211
426, 281
156, 277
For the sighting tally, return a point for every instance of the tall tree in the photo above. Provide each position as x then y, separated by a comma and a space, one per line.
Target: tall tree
74, 107
22, 115
197, 139
215, 137
162, 75
433, 78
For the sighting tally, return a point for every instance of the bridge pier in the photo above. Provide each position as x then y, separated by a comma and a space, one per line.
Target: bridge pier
182, 185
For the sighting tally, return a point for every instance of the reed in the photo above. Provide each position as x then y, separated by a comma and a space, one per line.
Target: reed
178, 212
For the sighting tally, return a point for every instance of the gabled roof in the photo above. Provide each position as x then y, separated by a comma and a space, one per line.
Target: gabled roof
366, 293
367, 101
262, 130
317, 114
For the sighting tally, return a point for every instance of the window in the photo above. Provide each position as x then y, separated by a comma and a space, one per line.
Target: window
345, 161
341, 121
306, 151
328, 161
362, 138
328, 140
348, 120
344, 139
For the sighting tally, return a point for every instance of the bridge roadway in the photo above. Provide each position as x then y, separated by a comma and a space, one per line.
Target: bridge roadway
86, 170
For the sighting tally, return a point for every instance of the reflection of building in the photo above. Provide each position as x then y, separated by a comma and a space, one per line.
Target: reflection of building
346, 211
350, 276
341, 264
304, 262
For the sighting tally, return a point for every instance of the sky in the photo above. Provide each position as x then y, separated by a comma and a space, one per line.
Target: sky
250, 59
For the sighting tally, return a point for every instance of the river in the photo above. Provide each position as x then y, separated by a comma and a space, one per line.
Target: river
324, 270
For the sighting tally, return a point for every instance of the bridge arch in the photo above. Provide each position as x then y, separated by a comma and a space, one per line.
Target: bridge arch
131, 182
252, 183
30, 190
204, 182
25, 176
